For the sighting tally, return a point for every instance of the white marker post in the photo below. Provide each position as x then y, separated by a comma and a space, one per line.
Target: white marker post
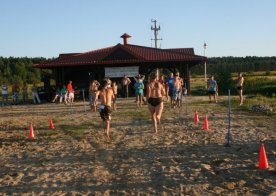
229, 121
84, 108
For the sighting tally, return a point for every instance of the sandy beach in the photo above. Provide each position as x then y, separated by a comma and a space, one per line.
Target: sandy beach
182, 158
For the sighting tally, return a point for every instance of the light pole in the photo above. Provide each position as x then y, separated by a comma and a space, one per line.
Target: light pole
204, 47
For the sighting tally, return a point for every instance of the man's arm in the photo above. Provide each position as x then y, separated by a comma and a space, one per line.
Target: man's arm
128, 81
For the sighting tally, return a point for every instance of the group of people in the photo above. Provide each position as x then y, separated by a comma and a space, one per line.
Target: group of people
16, 93
106, 93
65, 94
212, 88
157, 89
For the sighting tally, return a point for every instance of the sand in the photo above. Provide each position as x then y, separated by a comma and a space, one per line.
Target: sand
76, 159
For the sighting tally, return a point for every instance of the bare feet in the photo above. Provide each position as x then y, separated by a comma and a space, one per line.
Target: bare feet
107, 137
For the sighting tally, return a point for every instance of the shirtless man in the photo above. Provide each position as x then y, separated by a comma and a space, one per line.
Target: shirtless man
115, 91
240, 87
155, 92
125, 83
177, 95
93, 88
106, 96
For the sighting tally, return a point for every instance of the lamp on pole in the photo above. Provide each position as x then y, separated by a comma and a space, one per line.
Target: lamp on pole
205, 47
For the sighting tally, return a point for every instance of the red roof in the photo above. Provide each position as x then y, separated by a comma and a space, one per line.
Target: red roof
121, 54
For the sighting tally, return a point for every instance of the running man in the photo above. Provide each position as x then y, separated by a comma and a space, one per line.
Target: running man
106, 96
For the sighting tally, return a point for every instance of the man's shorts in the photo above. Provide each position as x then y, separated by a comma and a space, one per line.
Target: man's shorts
211, 92
105, 112
5, 95
177, 94
171, 92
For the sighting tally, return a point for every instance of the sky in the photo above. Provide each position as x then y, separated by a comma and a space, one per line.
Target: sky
46, 28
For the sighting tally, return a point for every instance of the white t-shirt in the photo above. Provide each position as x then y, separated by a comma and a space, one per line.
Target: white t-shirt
4, 89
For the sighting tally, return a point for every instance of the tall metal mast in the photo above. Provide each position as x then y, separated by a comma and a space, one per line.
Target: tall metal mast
155, 29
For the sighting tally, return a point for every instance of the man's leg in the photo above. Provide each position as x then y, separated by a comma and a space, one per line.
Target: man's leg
153, 116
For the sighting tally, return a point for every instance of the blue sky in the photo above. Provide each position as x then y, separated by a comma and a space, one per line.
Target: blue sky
35, 28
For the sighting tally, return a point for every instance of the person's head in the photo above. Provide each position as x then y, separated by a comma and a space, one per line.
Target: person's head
103, 85
177, 74
171, 74
153, 77
109, 82
240, 74
212, 77
70, 82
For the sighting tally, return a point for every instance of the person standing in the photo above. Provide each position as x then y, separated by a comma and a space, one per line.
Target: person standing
93, 88
106, 96
139, 92
25, 92
155, 93
177, 95
15, 93
4, 93
125, 83
70, 92
35, 94
240, 82
170, 83
63, 93
141, 78
212, 87
115, 91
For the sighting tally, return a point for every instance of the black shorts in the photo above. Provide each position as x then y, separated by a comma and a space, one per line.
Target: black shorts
171, 92
239, 88
105, 112
155, 101
211, 92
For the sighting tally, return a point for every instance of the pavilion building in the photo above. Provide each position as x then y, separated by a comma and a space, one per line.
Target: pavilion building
122, 59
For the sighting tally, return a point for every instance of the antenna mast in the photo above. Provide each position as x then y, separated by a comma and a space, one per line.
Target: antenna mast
155, 29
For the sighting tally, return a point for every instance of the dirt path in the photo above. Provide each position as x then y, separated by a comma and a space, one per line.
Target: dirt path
75, 158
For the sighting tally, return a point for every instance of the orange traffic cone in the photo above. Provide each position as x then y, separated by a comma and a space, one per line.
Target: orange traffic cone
263, 163
31, 134
206, 124
51, 124
196, 120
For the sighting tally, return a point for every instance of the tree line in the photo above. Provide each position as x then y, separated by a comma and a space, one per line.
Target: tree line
20, 69
236, 64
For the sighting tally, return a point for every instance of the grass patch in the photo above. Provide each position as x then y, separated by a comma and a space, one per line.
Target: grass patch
74, 130
252, 100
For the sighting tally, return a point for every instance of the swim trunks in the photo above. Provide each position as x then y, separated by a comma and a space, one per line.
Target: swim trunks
105, 112
239, 88
155, 101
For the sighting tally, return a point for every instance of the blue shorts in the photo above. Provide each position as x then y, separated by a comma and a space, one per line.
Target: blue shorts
177, 94
5, 95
